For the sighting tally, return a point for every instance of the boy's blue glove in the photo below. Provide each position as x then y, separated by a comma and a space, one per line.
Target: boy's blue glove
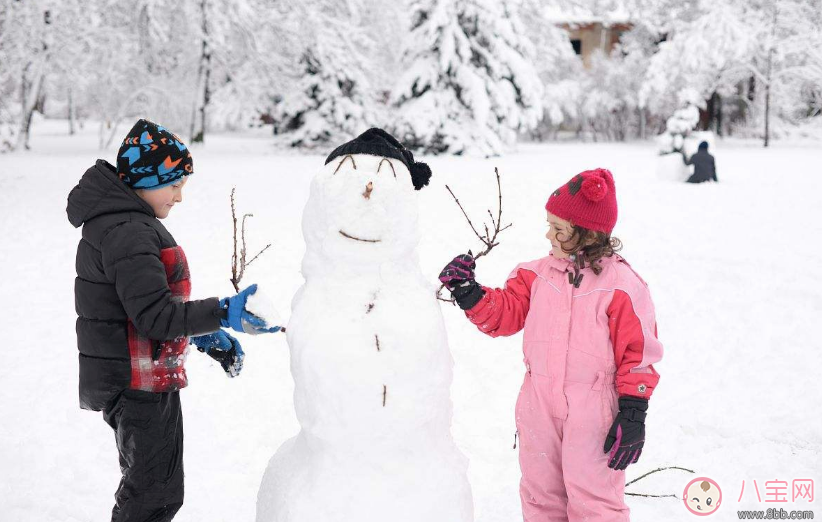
224, 349
241, 320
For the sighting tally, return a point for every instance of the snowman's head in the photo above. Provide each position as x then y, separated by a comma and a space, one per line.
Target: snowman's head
362, 210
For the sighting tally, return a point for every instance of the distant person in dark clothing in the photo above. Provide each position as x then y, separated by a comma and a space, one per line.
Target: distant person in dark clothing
704, 164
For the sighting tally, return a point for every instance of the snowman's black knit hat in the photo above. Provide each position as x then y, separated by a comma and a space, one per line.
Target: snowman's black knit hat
377, 142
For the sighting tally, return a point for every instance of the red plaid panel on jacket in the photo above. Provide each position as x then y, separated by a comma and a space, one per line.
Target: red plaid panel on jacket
158, 366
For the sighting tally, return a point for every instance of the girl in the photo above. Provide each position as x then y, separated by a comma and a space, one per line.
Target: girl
589, 343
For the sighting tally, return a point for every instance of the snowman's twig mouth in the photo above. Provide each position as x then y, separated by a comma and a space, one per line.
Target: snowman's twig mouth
358, 239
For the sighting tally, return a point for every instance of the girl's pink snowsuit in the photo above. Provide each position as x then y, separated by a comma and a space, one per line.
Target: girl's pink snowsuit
583, 347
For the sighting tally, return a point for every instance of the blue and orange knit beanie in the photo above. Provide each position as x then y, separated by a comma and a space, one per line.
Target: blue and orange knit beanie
152, 157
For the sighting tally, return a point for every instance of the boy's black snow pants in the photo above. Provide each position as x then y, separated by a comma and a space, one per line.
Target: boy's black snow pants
149, 431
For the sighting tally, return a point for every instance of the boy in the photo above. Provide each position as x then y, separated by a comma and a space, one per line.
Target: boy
704, 165
135, 319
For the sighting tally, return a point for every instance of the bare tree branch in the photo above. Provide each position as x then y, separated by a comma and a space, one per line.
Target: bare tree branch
464, 213
234, 280
648, 495
489, 240
238, 258
656, 471
258, 254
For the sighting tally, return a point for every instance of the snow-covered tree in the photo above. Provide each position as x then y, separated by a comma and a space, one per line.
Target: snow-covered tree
783, 30
232, 66
193, 64
331, 98
26, 47
470, 85
143, 65
8, 84
605, 97
752, 53
246, 79
557, 65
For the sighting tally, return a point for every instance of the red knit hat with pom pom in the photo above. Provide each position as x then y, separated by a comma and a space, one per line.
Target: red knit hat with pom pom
588, 200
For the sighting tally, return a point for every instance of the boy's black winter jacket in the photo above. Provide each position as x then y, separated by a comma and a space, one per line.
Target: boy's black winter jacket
704, 167
119, 277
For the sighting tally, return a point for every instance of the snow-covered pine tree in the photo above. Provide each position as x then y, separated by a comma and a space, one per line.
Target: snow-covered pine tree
469, 85
332, 98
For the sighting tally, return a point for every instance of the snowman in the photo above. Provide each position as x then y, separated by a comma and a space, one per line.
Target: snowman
369, 357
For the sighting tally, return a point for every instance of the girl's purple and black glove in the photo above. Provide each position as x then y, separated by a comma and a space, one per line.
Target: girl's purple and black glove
224, 349
241, 320
627, 433
458, 277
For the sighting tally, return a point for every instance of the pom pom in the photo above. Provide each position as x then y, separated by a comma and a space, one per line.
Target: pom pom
420, 174
594, 188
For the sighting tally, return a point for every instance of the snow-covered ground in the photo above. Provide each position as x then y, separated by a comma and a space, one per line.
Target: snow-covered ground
733, 267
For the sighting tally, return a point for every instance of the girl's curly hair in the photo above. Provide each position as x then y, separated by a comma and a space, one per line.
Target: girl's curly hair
589, 246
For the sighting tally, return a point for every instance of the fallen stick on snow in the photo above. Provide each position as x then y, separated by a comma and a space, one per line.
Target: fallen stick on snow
651, 473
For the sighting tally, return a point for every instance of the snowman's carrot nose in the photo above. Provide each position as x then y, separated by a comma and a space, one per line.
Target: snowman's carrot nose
368, 189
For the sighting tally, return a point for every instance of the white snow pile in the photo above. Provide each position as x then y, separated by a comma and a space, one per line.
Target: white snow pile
260, 304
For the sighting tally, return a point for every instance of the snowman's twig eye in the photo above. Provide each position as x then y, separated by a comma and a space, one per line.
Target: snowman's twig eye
389, 164
343, 161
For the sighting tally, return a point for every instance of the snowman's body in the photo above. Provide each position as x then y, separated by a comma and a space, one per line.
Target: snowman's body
371, 365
